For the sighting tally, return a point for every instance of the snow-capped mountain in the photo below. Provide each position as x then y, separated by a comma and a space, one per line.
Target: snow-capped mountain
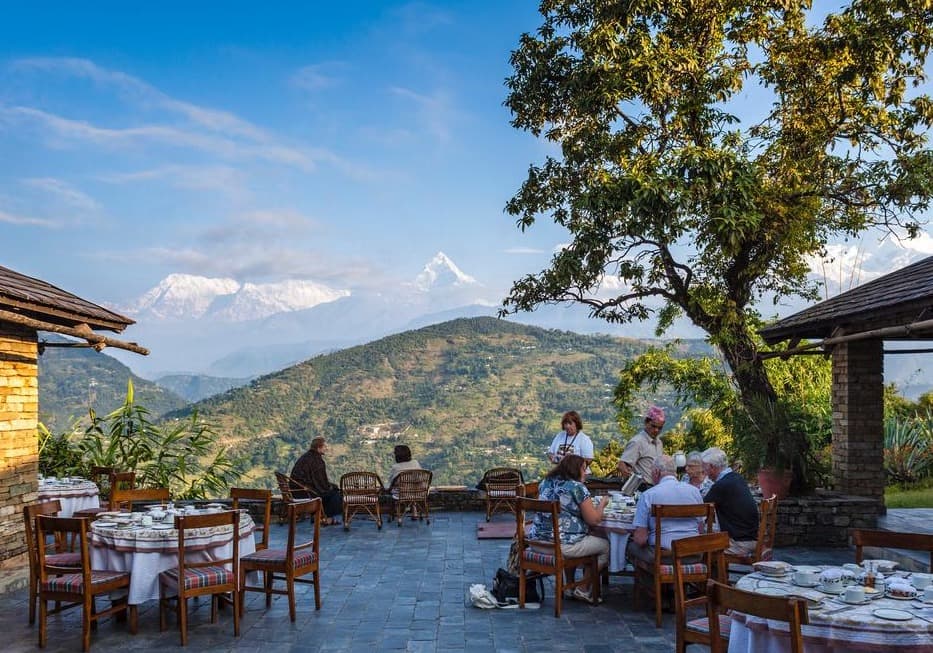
441, 272
186, 297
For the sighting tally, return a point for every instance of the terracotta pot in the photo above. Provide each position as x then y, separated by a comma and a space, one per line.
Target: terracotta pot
773, 482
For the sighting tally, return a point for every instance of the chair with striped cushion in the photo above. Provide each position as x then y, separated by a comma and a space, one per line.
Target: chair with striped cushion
300, 557
503, 486
660, 571
212, 578
250, 495
75, 587
721, 598
361, 492
413, 486
707, 549
544, 557
56, 554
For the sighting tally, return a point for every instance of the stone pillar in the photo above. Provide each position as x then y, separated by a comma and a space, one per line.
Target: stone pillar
858, 418
19, 451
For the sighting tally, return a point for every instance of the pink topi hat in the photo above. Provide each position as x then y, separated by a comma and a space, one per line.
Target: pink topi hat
655, 414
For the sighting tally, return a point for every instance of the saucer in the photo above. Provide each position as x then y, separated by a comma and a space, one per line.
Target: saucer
864, 601
105, 524
162, 527
827, 590
813, 584
892, 614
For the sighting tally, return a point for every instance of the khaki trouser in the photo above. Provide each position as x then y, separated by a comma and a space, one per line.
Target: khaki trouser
588, 546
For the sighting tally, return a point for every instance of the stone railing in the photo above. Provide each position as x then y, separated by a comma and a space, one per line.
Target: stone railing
823, 519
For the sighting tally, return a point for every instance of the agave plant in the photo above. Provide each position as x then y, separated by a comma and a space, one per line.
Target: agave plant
908, 448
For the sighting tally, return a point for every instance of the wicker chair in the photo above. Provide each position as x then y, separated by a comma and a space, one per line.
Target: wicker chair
238, 494
413, 486
503, 487
300, 557
288, 487
361, 492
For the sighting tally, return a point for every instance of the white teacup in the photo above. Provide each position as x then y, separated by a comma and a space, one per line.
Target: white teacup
854, 594
806, 578
921, 581
928, 594
147, 520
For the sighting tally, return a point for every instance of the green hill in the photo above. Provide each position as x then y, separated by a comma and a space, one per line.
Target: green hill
72, 379
465, 395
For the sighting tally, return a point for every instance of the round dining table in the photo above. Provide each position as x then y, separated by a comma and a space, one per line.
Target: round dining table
881, 624
146, 551
74, 494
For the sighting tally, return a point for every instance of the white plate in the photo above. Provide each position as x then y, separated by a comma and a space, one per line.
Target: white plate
105, 524
892, 614
805, 584
162, 527
826, 590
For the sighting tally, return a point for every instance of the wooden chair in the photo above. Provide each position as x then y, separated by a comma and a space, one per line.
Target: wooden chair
698, 555
76, 587
212, 578
299, 558
721, 597
767, 525
503, 486
56, 555
361, 492
123, 499
544, 557
413, 486
660, 571
97, 475
238, 494
862, 537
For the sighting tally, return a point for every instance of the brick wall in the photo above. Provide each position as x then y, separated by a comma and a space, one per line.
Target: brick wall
823, 519
19, 455
858, 418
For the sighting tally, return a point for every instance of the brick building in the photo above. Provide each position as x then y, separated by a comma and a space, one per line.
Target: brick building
28, 306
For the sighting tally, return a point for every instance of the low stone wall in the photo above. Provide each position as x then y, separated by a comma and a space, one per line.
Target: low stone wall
824, 519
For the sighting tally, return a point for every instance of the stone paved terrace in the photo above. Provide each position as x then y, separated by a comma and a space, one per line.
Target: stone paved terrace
398, 589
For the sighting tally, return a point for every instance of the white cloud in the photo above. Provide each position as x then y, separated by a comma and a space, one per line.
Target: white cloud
63, 190
436, 111
523, 250
28, 221
315, 77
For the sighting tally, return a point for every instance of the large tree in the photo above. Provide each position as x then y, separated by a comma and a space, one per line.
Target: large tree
707, 147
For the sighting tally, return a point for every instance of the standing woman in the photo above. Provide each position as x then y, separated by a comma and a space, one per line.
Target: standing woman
311, 471
571, 440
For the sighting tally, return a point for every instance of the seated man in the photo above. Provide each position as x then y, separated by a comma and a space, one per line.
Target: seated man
736, 510
665, 491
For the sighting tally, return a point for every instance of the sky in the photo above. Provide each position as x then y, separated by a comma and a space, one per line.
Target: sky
341, 142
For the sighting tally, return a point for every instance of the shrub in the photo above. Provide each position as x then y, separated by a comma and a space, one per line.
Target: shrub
908, 448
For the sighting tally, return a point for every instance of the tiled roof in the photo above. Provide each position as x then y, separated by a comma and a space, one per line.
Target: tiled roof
38, 299
895, 299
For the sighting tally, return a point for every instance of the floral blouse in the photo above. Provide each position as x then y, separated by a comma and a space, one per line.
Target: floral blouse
570, 494
704, 486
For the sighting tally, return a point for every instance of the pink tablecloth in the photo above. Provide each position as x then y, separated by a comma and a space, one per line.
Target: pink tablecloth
146, 552
79, 494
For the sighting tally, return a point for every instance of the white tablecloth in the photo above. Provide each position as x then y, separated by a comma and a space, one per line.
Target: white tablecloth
835, 627
79, 494
618, 531
146, 552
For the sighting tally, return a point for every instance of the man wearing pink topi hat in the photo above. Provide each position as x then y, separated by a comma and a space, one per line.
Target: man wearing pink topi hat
643, 449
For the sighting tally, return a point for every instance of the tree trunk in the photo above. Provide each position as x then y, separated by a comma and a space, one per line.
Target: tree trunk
748, 369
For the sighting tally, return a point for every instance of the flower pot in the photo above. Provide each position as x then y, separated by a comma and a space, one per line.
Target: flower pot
773, 482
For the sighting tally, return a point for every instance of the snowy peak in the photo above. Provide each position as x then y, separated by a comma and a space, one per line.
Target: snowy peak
441, 272
183, 296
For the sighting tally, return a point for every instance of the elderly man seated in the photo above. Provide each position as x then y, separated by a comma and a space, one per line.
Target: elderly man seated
736, 510
667, 490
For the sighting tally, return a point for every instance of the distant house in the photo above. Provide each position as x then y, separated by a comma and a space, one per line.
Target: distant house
28, 306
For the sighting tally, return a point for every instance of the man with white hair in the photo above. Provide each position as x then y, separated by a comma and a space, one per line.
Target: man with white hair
644, 448
736, 509
666, 491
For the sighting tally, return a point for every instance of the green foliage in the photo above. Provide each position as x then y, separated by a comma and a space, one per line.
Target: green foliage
181, 455
908, 448
698, 430
690, 209
604, 464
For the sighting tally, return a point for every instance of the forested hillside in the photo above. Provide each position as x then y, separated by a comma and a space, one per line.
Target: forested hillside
465, 395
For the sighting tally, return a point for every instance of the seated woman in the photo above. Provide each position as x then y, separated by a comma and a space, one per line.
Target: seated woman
578, 511
403, 462
311, 471
695, 475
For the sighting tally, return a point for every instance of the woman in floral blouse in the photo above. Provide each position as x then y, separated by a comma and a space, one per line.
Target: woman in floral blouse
578, 511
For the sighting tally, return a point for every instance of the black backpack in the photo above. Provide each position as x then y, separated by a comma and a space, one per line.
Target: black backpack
505, 588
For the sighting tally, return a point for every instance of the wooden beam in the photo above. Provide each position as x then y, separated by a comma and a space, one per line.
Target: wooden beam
82, 331
904, 331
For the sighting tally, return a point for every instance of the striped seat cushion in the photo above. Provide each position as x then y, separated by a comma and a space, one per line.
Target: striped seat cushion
702, 625
502, 493
276, 558
74, 583
198, 577
690, 570
539, 557
63, 559
360, 500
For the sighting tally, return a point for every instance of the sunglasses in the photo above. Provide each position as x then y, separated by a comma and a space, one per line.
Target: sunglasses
655, 425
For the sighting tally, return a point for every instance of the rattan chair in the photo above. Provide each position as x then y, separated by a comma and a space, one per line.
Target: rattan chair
412, 486
56, 553
212, 578
721, 598
300, 557
503, 487
659, 571
764, 547
288, 487
544, 557
361, 492
250, 495
700, 555
75, 587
